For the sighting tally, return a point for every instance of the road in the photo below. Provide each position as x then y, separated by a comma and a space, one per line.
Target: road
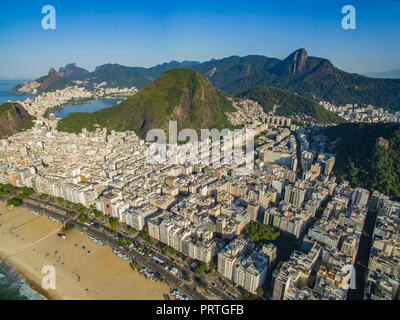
59, 213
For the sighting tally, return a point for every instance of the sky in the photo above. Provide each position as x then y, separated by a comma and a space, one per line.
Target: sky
148, 32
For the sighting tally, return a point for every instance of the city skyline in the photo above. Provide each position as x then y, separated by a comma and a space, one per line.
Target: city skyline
138, 34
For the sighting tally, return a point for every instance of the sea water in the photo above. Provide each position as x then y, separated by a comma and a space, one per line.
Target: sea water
6, 94
13, 285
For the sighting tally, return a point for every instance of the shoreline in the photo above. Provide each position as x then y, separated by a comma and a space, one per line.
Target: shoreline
28, 242
76, 103
32, 284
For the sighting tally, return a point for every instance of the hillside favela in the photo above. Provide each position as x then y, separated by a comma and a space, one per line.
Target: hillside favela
245, 169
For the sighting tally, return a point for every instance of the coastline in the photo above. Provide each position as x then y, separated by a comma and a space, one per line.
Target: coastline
28, 242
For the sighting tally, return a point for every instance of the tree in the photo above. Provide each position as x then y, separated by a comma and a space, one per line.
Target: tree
98, 214
83, 218
14, 202
27, 191
212, 265
260, 291
114, 222
199, 270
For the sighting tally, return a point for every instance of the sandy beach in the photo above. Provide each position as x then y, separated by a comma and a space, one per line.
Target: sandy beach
29, 242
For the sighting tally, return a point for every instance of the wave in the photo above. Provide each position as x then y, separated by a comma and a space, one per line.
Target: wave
14, 286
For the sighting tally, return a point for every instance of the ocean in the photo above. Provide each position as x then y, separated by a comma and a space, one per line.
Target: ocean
13, 285
5, 94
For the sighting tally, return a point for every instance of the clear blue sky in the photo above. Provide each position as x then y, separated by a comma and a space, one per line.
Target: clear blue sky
146, 32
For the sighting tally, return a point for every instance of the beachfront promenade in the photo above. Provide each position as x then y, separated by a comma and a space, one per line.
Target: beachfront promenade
60, 213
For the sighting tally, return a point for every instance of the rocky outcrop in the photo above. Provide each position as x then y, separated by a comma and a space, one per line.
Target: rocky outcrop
13, 118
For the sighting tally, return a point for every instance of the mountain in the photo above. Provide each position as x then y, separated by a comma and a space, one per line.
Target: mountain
289, 103
312, 77
368, 155
72, 72
392, 74
49, 83
13, 118
183, 95
115, 75
318, 79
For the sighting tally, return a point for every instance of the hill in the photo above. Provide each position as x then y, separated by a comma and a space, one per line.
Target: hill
49, 83
312, 77
179, 94
13, 118
289, 103
368, 155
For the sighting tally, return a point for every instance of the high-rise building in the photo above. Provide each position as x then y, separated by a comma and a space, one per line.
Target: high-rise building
228, 255
294, 196
360, 197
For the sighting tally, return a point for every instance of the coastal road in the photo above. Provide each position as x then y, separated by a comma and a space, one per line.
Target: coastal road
114, 243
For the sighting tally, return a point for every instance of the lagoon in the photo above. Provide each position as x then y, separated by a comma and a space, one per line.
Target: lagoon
86, 107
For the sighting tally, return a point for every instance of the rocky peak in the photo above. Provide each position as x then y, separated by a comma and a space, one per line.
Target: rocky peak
296, 62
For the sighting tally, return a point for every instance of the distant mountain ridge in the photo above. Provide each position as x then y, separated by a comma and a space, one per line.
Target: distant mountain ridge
312, 77
392, 74
72, 72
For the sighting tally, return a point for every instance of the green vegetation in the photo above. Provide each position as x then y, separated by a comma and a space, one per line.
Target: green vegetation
318, 80
188, 278
181, 94
258, 232
21, 196
199, 270
368, 155
71, 214
121, 240
260, 291
18, 194
98, 214
114, 222
168, 250
213, 263
145, 235
290, 104
13, 118
83, 218
248, 295
68, 227
14, 202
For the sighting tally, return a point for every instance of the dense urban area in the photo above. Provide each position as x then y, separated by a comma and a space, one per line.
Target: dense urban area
287, 230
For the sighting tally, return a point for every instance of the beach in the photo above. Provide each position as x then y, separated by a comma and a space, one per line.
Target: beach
84, 269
